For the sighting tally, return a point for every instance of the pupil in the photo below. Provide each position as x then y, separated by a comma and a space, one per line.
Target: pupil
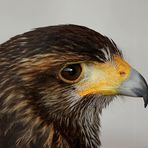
70, 70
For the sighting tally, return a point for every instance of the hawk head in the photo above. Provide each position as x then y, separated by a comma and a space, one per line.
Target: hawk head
60, 78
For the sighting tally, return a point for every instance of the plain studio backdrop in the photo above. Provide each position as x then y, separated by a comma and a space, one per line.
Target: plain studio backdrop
125, 121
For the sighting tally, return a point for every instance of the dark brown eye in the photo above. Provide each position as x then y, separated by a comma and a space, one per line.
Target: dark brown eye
71, 73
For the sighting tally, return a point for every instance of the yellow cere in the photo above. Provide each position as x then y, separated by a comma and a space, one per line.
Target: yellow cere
104, 78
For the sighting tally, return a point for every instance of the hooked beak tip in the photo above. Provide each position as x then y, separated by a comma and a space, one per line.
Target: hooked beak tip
145, 102
136, 86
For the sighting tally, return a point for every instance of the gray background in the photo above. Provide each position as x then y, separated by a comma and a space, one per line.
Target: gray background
125, 121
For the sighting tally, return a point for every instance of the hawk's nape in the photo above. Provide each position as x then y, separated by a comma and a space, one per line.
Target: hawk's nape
54, 83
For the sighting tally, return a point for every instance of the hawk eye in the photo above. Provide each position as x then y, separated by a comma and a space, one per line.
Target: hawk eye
71, 73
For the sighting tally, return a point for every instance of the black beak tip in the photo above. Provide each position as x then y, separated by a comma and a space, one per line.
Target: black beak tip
145, 101
145, 105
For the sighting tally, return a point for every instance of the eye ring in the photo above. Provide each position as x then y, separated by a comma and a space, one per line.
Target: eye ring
71, 73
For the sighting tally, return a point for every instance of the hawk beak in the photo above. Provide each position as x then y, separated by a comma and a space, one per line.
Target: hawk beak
135, 86
114, 78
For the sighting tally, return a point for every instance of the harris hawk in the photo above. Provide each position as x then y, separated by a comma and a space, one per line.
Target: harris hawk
54, 83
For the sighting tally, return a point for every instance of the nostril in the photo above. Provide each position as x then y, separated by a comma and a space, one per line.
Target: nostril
122, 73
